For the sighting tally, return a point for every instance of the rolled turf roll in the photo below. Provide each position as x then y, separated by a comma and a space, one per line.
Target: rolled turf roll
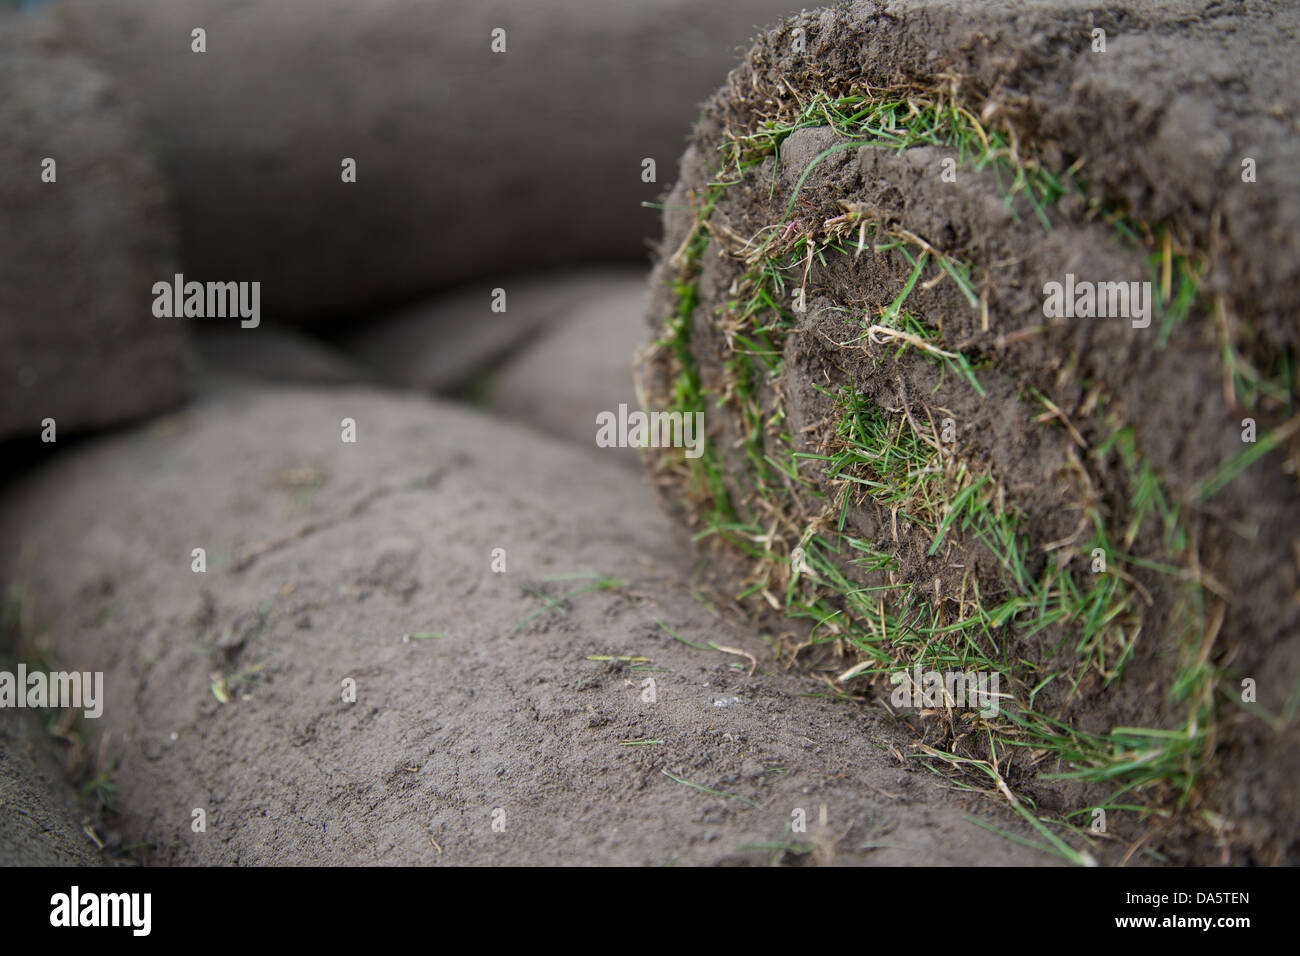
486, 136
87, 229
990, 313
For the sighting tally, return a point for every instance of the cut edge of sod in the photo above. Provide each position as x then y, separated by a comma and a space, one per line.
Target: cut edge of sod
1144, 767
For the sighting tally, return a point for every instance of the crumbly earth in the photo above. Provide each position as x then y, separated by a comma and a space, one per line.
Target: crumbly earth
323, 555
1160, 123
42, 817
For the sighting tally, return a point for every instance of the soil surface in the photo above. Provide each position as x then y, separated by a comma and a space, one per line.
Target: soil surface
322, 556
43, 818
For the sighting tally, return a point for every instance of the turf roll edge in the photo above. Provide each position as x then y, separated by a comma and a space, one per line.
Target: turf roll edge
990, 310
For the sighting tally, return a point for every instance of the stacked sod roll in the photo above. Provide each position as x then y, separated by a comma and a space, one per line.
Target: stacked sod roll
991, 314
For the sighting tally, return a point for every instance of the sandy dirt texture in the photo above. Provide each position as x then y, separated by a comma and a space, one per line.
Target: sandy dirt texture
43, 817
322, 556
